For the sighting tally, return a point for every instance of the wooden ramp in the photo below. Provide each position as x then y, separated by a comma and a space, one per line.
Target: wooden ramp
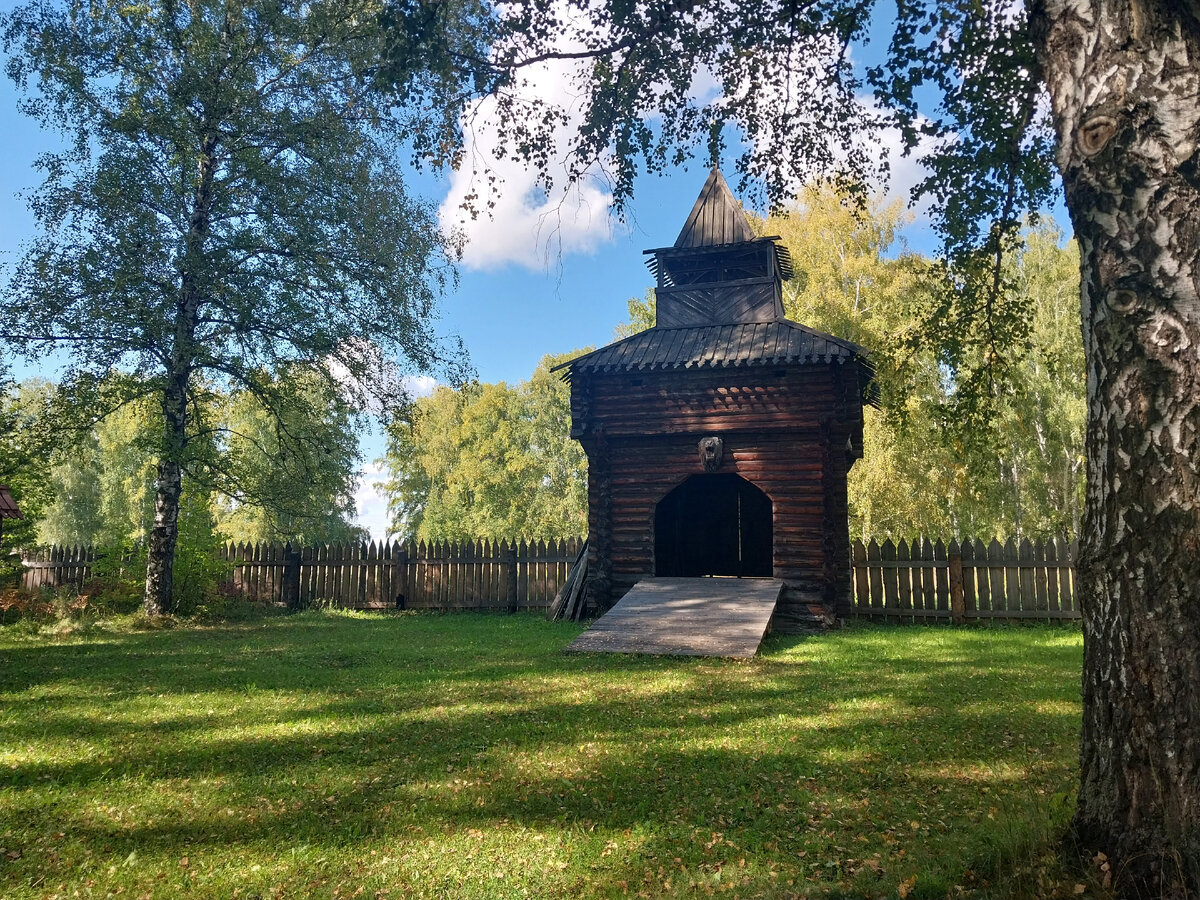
686, 617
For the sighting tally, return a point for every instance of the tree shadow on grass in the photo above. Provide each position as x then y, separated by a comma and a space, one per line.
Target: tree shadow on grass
375, 733
675, 799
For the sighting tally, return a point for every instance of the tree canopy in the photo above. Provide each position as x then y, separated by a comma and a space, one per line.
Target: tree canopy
926, 469
489, 461
229, 204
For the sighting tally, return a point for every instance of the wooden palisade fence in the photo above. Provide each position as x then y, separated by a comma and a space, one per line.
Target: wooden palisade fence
913, 581
54, 566
961, 581
479, 575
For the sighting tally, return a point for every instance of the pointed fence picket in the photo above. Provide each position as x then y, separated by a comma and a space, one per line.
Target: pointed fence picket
960, 581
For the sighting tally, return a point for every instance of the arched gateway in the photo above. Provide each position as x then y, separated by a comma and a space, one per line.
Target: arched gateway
718, 524
719, 440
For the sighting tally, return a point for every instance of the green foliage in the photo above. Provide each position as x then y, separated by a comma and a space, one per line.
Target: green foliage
25, 431
306, 208
424, 756
229, 204
280, 474
925, 470
489, 461
642, 315
102, 479
289, 470
198, 565
632, 69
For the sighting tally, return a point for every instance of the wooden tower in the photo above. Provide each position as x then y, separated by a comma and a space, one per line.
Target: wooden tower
719, 441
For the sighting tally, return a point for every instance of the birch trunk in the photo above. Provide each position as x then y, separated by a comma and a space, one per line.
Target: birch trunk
168, 488
1124, 81
164, 535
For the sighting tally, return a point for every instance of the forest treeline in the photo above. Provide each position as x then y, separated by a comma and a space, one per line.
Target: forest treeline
277, 466
496, 460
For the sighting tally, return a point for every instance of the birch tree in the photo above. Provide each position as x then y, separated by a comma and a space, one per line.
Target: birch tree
229, 202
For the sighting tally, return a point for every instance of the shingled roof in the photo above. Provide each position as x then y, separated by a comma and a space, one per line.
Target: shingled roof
781, 342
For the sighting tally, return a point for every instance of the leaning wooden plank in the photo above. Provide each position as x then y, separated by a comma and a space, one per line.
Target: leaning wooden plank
574, 610
556, 608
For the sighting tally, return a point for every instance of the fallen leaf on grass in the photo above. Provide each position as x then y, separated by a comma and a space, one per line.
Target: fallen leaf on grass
904, 887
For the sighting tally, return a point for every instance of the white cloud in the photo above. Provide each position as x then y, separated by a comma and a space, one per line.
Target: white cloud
419, 385
526, 225
905, 172
370, 502
529, 227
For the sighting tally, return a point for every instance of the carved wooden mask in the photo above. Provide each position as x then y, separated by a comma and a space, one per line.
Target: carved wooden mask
712, 453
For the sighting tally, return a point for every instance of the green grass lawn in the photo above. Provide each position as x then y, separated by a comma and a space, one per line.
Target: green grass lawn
338, 755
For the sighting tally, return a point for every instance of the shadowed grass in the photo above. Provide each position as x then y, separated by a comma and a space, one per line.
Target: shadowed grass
467, 756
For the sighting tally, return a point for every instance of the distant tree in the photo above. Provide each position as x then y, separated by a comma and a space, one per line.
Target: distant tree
288, 473
25, 441
230, 202
489, 461
642, 315
282, 475
101, 477
1017, 471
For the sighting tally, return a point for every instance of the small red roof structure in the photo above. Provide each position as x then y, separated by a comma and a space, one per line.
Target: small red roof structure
8, 506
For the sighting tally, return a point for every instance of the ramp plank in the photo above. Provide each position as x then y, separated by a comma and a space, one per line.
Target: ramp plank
686, 617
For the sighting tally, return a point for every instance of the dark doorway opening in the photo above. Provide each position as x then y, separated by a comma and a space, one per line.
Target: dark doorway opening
713, 525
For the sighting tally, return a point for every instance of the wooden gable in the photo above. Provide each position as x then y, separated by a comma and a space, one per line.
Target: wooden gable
716, 217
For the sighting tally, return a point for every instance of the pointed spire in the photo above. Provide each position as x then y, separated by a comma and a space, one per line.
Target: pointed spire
717, 217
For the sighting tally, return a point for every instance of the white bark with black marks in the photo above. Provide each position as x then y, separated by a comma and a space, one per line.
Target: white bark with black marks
1124, 81
168, 486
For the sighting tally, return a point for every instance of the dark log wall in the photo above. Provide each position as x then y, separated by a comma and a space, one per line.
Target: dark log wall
742, 399
785, 430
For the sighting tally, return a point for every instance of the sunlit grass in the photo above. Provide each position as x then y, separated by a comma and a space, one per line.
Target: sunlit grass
467, 756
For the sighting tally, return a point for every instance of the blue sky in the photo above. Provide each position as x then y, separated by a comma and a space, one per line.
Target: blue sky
541, 275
